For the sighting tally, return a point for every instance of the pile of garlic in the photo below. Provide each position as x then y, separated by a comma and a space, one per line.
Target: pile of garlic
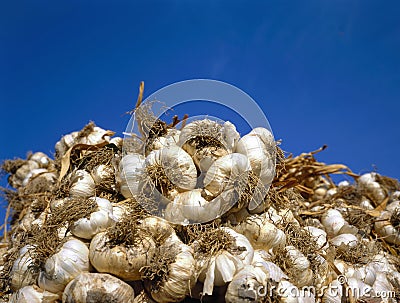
199, 216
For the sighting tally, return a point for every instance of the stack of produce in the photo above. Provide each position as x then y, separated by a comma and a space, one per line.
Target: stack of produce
195, 213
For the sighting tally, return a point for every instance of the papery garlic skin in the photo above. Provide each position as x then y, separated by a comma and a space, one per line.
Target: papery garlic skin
17, 179
260, 261
21, 275
385, 229
319, 236
98, 221
71, 259
170, 139
345, 239
333, 222
99, 288
131, 170
33, 294
177, 164
224, 171
367, 182
41, 158
300, 267
82, 184
121, 261
103, 173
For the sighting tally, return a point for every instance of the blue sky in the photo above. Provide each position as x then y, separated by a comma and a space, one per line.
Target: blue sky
324, 72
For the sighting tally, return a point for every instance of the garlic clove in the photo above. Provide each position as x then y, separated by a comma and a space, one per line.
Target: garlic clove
100, 288
21, 274
40, 158
131, 170
333, 221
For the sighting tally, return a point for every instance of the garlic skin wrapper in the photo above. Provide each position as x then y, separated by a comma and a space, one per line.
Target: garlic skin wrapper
220, 268
100, 288
82, 184
123, 262
177, 165
191, 206
20, 273
33, 294
259, 150
98, 221
261, 233
71, 259
130, 172
181, 275
224, 171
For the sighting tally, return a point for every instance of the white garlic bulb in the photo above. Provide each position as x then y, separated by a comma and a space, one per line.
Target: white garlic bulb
181, 275
385, 229
178, 166
367, 182
33, 294
224, 171
191, 206
90, 135
82, 184
41, 158
98, 221
100, 288
333, 293
319, 236
21, 274
219, 269
170, 139
261, 156
260, 261
143, 297
16, 179
245, 286
261, 233
130, 174
71, 259
122, 261
300, 266
333, 222
103, 173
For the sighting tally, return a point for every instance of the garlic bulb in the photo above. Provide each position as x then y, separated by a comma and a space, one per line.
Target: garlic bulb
245, 286
367, 182
98, 221
220, 268
143, 297
225, 133
260, 261
225, 171
122, 261
170, 139
158, 228
40, 158
333, 221
82, 184
33, 294
261, 156
100, 288
180, 276
345, 239
16, 179
319, 236
21, 274
70, 260
130, 174
90, 135
102, 174
385, 229
300, 266
261, 233
333, 293
191, 206
177, 165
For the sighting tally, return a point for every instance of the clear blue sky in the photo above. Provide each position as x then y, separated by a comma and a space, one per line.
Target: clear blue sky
324, 72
